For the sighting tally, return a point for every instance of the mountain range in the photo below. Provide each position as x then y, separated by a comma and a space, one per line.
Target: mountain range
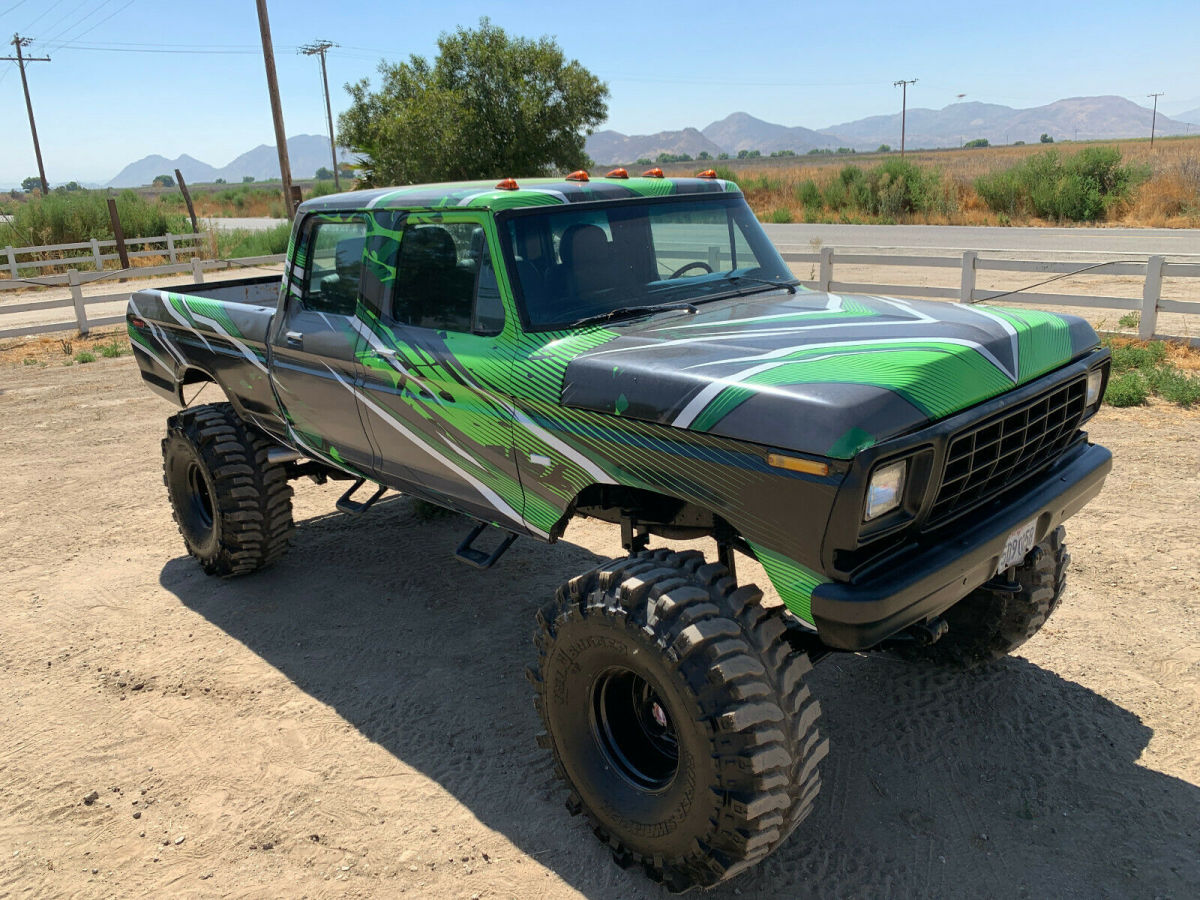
306, 154
1076, 118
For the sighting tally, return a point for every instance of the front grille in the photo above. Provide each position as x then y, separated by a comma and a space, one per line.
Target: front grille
993, 455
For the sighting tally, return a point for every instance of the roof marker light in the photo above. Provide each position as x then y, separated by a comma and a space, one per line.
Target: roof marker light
578, 175
653, 173
618, 173
507, 184
707, 173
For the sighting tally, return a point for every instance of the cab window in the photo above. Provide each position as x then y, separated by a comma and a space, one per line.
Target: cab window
333, 270
445, 279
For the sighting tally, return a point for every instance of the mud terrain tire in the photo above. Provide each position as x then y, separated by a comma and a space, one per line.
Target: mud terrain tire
233, 507
987, 625
678, 715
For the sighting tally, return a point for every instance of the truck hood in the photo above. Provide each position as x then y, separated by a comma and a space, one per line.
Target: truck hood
827, 374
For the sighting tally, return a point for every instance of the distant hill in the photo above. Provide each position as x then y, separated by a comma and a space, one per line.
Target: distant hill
1075, 118
306, 154
741, 131
1191, 116
614, 147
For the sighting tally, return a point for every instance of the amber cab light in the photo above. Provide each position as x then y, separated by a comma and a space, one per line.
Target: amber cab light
653, 173
707, 173
618, 173
507, 184
578, 175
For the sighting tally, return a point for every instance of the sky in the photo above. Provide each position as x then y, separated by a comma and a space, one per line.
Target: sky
103, 102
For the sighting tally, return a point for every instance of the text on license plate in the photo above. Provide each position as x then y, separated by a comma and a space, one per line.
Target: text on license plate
1019, 543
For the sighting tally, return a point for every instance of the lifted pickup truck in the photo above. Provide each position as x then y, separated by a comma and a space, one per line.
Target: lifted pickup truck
634, 349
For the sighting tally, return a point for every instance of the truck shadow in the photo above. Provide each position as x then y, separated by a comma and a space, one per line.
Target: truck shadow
1007, 782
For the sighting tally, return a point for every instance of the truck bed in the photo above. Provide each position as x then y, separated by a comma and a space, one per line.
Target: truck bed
192, 333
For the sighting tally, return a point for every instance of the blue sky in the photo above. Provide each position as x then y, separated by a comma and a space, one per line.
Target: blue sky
668, 65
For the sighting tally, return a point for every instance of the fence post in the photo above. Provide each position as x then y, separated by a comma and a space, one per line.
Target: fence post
825, 276
171, 247
96, 255
12, 262
77, 300
118, 232
1151, 291
197, 272
967, 291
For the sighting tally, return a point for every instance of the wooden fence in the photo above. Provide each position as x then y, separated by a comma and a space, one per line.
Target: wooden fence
970, 263
1149, 305
91, 254
78, 303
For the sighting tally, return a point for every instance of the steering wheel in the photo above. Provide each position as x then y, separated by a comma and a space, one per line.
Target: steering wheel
698, 264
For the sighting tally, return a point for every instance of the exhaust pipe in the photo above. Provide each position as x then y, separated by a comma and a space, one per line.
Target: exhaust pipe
279, 455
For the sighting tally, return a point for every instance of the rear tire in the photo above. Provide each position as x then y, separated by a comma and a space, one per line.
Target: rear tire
678, 715
987, 625
233, 507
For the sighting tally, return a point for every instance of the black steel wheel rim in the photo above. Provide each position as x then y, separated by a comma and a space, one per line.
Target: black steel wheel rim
634, 730
199, 500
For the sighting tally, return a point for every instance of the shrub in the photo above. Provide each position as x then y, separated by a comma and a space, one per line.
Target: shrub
83, 356
1126, 357
1129, 320
808, 194
66, 218
781, 215
1175, 386
1126, 389
241, 242
1079, 188
113, 349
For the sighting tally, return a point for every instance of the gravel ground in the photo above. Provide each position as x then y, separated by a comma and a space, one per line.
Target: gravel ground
355, 722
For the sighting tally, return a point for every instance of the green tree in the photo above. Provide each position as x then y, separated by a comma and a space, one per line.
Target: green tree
163, 181
488, 106
975, 144
704, 154
247, 179
884, 148
324, 174
1046, 139
31, 184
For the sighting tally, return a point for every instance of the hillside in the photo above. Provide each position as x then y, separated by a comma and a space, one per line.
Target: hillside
306, 154
1076, 118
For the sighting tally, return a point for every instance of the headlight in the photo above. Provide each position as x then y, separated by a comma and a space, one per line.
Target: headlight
885, 489
1094, 380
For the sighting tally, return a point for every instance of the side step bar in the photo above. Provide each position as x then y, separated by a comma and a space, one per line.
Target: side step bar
477, 558
355, 507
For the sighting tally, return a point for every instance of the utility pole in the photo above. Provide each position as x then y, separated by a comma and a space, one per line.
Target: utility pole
285, 169
20, 59
318, 48
1154, 115
903, 85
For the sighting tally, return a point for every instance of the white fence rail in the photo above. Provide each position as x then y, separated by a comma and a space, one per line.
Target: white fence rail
1149, 305
78, 303
970, 263
96, 254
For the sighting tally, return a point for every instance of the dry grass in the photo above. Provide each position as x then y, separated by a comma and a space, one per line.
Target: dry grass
1169, 198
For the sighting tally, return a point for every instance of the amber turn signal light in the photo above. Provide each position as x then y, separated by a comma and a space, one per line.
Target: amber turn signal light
653, 173
578, 175
796, 464
618, 173
707, 173
507, 184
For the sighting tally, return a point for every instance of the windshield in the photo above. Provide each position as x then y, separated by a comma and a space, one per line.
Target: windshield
574, 264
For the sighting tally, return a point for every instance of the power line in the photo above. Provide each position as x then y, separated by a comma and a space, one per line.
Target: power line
20, 59
903, 109
43, 14
14, 6
105, 19
319, 48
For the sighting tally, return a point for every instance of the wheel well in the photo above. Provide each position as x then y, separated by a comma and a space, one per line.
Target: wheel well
658, 514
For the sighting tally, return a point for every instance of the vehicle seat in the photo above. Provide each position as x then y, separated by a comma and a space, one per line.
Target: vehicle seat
587, 264
427, 275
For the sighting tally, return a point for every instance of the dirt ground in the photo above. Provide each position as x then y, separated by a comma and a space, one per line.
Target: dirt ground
355, 721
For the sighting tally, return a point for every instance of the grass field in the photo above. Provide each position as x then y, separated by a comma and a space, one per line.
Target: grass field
1165, 192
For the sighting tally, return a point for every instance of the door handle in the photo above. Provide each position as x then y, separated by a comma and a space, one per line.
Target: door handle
386, 352
294, 338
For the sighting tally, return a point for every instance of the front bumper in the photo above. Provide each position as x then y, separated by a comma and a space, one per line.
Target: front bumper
861, 613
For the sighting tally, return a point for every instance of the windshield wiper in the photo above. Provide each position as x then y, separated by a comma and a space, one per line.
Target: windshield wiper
622, 312
791, 287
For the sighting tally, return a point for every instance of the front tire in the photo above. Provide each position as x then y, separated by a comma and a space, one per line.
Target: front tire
678, 715
232, 506
988, 624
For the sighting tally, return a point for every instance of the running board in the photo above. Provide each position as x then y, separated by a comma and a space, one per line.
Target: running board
355, 507
477, 558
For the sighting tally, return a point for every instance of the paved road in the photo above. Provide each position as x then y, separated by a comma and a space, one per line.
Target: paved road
260, 224
1133, 241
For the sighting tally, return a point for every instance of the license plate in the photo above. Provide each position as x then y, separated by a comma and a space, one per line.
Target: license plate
1019, 543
